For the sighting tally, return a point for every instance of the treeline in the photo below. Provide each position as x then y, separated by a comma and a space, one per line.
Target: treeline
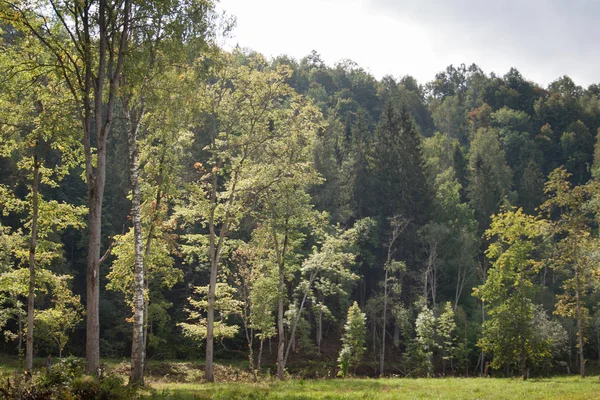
203, 203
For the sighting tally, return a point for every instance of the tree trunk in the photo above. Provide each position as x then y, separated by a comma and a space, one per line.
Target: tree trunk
95, 195
280, 326
384, 320
397, 225
482, 355
319, 330
396, 340
59, 346
579, 324
215, 246
210, 310
260, 350
32, 248
138, 351
598, 344
146, 305
426, 283
20, 343
251, 358
148, 247
294, 325
281, 357
99, 108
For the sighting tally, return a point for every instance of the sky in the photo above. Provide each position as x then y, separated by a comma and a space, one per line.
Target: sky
543, 39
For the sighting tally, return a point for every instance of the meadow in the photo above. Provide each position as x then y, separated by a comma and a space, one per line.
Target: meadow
184, 380
567, 388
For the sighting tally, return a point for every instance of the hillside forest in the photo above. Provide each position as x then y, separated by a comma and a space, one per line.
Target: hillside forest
164, 199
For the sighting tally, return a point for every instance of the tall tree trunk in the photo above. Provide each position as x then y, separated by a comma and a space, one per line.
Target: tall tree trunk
398, 225
215, 252
524, 364
59, 347
20, 343
210, 309
95, 195
149, 244
280, 326
260, 351
294, 325
384, 320
99, 109
138, 350
319, 330
598, 344
579, 323
32, 248
281, 359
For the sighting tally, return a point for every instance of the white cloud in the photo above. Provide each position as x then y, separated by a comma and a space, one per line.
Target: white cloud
543, 39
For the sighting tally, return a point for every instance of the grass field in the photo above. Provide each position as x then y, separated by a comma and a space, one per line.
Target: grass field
567, 388
179, 380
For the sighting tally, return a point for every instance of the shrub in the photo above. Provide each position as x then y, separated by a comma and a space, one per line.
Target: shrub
66, 380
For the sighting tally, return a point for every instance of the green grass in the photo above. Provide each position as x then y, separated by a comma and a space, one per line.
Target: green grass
567, 388
178, 380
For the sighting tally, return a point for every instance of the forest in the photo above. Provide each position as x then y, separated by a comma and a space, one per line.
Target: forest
163, 199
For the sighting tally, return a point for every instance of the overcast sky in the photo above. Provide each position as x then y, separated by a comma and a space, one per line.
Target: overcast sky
544, 39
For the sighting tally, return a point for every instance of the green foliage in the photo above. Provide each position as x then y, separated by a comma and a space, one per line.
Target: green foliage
66, 380
225, 306
257, 169
63, 309
419, 352
353, 341
263, 299
509, 332
490, 179
446, 331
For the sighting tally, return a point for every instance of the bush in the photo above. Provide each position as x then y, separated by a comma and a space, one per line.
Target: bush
85, 387
66, 380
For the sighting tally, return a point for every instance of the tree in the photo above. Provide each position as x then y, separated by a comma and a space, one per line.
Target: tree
508, 332
595, 169
425, 330
450, 239
397, 225
88, 43
62, 311
490, 178
446, 330
225, 306
353, 341
256, 141
264, 298
37, 128
401, 187
57, 322
332, 258
567, 208
165, 39
420, 350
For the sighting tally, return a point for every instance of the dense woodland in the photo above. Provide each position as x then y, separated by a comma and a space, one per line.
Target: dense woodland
161, 198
